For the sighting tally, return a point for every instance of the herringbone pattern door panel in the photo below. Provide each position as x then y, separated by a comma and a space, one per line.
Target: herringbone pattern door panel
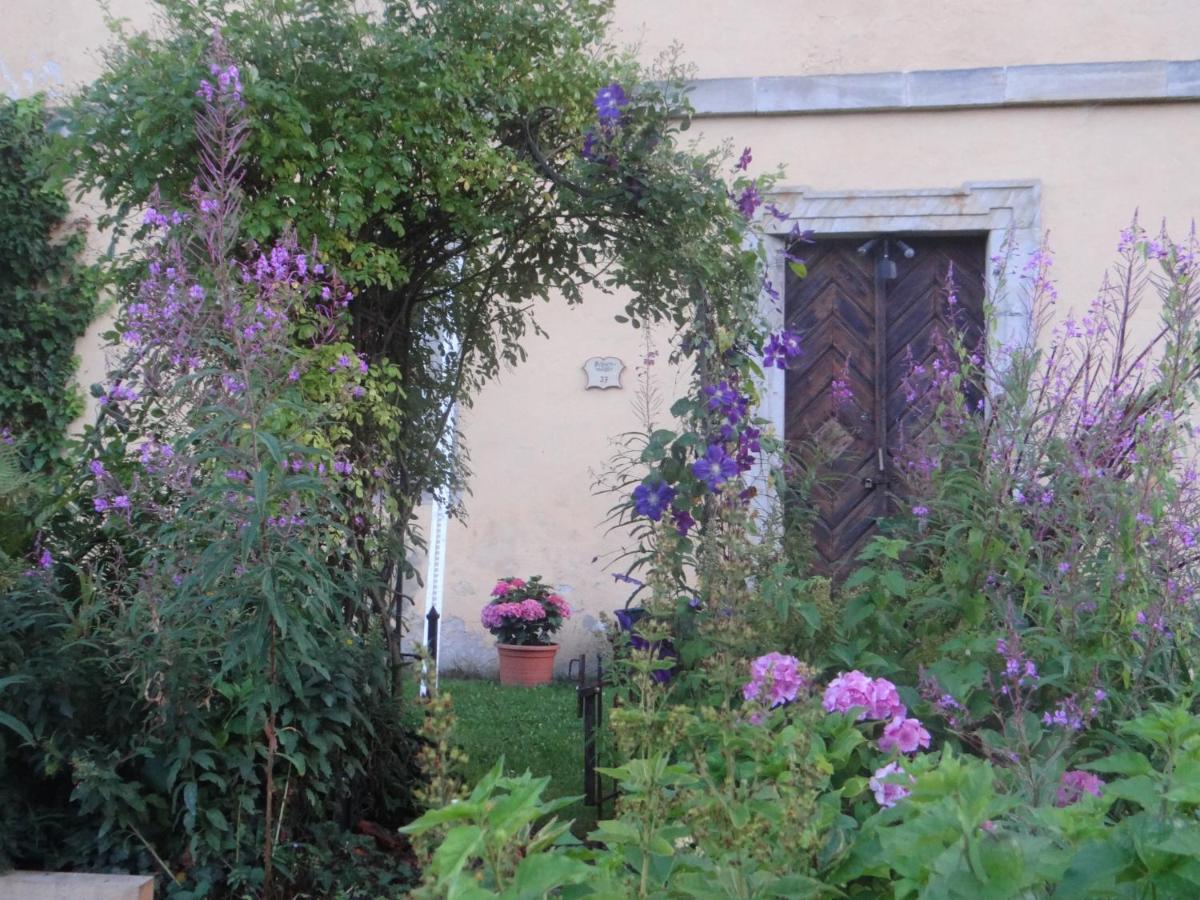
834, 310
862, 323
920, 321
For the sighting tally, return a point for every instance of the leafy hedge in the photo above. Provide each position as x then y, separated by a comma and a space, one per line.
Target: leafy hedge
47, 296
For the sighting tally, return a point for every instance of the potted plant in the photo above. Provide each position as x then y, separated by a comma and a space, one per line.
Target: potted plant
523, 615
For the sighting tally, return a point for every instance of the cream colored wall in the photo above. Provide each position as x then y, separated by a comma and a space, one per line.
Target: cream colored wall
48, 43
537, 436
726, 38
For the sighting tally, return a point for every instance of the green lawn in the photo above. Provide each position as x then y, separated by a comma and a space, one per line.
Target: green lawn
534, 728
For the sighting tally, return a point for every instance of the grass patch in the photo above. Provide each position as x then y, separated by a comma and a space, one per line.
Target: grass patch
534, 728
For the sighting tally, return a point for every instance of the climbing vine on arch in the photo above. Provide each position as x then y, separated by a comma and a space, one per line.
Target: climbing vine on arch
47, 294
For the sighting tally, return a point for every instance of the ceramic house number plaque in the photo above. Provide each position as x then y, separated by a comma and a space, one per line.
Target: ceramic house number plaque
603, 372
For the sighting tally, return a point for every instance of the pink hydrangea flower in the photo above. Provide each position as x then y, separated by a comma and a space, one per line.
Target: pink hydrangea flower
775, 675
530, 610
905, 735
501, 588
890, 792
876, 697
558, 602
885, 701
1075, 784
490, 617
516, 582
848, 690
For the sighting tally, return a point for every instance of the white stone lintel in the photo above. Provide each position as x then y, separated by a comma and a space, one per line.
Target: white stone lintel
1083, 83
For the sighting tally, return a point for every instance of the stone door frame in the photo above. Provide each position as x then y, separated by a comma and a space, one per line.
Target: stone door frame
1009, 212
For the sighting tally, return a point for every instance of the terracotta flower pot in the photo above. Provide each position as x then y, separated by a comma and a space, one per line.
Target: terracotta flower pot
526, 664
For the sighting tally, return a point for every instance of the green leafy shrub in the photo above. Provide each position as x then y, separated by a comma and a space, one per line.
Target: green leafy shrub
47, 296
783, 807
1056, 514
195, 688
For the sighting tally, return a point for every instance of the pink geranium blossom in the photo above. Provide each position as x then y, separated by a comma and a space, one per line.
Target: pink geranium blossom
905, 735
889, 792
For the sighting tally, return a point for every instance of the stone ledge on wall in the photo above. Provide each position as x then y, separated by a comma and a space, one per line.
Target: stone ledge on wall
1141, 81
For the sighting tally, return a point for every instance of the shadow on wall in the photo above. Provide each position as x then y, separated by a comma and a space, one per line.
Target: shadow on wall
464, 650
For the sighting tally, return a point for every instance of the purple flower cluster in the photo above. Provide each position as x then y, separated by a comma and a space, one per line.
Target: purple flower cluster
1074, 784
715, 468
496, 615
627, 620
228, 85
904, 735
1020, 672
774, 677
875, 697
779, 348
609, 102
652, 499
749, 200
117, 502
208, 338
119, 393
726, 400
887, 785
1070, 715
943, 703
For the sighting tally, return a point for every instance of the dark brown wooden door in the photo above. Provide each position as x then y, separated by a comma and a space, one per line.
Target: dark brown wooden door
860, 315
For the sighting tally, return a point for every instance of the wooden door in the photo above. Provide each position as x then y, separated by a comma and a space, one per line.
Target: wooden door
860, 314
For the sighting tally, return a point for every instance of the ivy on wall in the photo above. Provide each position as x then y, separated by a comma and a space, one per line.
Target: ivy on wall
47, 296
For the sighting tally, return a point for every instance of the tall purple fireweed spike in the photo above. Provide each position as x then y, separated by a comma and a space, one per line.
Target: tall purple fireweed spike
215, 335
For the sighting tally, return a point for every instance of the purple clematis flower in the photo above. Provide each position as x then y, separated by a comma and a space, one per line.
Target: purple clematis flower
725, 399
608, 103
779, 348
651, 500
684, 522
627, 619
749, 201
720, 395
715, 467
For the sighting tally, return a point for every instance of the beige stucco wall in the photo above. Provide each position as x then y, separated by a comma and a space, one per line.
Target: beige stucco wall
46, 44
537, 436
726, 38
